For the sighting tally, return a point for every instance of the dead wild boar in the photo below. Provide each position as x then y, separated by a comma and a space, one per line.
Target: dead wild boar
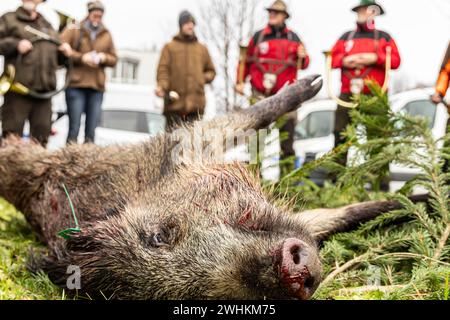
155, 228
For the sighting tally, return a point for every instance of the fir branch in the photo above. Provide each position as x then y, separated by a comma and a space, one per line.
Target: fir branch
442, 242
349, 264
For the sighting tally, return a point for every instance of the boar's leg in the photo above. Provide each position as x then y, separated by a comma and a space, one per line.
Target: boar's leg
213, 135
267, 111
325, 222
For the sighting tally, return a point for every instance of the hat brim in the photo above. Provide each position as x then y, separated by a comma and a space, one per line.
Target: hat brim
355, 9
96, 9
275, 10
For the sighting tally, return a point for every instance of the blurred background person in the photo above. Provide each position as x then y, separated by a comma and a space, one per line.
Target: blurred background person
37, 70
274, 55
443, 81
442, 85
93, 51
184, 68
361, 55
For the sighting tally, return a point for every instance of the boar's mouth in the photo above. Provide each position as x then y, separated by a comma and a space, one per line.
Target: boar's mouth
298, 284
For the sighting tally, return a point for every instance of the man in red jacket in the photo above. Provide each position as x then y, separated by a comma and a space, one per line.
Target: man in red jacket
361, 55
273, 58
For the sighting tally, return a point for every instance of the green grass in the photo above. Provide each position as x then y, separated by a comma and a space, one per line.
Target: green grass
16, 240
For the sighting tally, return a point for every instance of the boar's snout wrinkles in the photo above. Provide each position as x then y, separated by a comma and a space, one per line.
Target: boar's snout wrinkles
155, 229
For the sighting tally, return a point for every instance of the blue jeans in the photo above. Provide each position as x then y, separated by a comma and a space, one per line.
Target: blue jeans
79, 101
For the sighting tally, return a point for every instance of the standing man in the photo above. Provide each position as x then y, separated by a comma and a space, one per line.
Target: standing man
184, 69
93, 51
442, 88
443, 81
37, 70
274, 55
361, 55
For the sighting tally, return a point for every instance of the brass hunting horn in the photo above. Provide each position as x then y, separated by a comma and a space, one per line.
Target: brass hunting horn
7, 82
329, 69
242, 62
64, 20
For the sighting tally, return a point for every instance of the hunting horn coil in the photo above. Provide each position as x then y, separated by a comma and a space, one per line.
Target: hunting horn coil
329, 69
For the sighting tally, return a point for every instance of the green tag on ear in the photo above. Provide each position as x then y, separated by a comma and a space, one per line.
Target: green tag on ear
68, 233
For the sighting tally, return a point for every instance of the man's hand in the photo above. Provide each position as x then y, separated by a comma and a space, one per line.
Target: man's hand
88, 59
367, 59
301, 52
437, 98
160, 92
66, 49
361, 60
24, 46
102, 57
350, 62
240, 88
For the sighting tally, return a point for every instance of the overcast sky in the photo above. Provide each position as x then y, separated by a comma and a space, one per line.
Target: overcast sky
420, 27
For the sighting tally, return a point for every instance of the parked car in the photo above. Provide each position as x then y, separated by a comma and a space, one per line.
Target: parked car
117, 126
130, 114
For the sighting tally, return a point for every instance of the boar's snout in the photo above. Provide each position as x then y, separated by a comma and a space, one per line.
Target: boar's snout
298, 267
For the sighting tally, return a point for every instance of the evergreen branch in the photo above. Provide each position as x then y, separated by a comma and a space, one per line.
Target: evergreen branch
345, 267
409, 255
442, 242
359, 290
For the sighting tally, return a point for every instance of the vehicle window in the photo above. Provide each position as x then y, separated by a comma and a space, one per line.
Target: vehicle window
421, 108
124, 120
156, 123
317, 125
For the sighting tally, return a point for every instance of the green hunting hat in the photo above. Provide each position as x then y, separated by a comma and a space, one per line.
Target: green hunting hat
368, 3
279, 6
95, 5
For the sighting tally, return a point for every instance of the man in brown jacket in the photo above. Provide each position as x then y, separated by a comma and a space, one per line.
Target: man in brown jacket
37, 70
93, 50
184, 69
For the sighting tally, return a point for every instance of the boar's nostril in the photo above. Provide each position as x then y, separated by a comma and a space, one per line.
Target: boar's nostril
295, 251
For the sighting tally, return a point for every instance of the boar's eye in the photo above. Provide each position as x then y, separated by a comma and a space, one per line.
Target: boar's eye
153, 240
157, 241
166, 234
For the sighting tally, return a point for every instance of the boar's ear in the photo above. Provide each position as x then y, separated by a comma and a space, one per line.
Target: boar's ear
325, 222
52, 266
